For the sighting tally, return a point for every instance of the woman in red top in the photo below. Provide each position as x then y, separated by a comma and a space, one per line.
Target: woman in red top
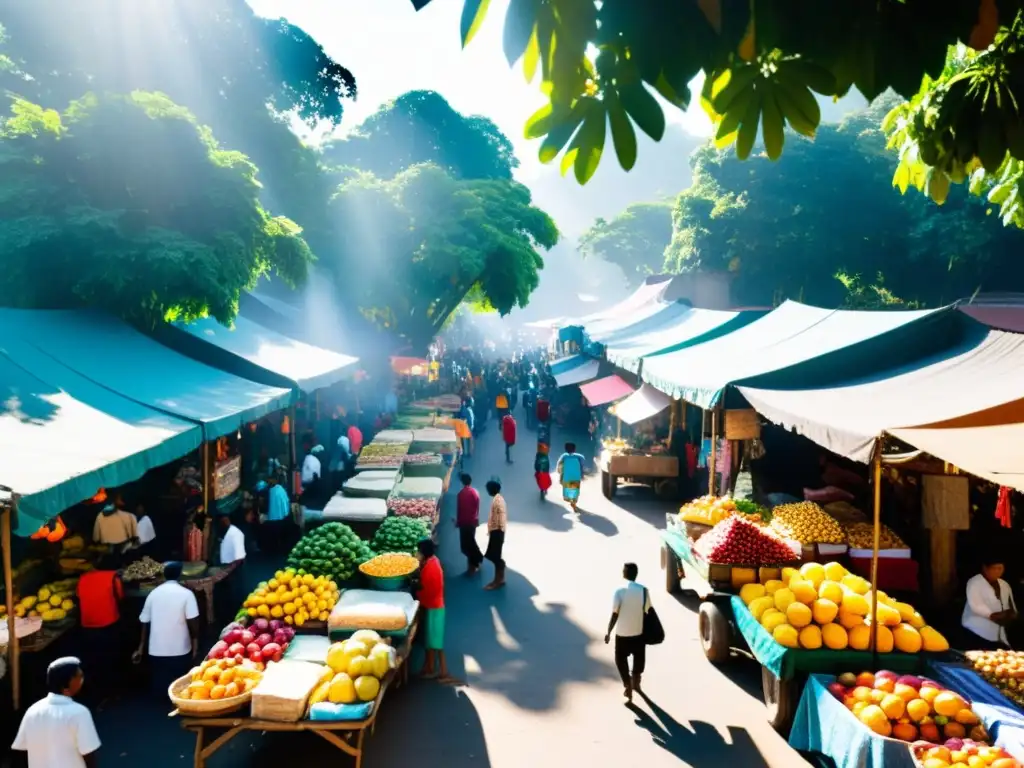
431, 597
99, 597
508, 433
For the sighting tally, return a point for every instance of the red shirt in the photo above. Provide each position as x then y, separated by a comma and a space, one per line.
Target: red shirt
431, 594
508, 430
99, 593
355, 439
467, 507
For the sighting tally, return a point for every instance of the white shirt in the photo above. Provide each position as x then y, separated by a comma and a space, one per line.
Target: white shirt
145, 530
232, 546
630, 605
167, 610
345, 444
56, 732
310, 467
982, 603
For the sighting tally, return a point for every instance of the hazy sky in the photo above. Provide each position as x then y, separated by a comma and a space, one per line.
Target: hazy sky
392, 49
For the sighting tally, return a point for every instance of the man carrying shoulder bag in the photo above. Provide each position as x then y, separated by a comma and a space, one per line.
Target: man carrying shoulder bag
636, 626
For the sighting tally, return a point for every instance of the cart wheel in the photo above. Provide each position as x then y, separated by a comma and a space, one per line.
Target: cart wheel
714, 633
780, 700
606, 484
670, 563
666, 489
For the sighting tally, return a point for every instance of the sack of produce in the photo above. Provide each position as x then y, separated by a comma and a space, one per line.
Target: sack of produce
375, 487
844, 513
394, 436
142, 570
400, 534
341, 712
362, 510
419, 488
425, 508
827, 495
807, 523
282, 693
308, 648
331, 550
370, 609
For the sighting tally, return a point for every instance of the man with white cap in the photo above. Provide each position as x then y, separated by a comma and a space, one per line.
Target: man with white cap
58, 732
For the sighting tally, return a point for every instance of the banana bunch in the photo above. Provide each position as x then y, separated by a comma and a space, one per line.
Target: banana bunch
773, 90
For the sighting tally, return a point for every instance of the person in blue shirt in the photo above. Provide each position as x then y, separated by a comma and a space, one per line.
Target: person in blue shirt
570, 474
276, 528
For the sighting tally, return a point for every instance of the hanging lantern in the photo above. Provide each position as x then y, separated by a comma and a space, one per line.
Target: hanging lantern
100, 497
53, 531
286, 426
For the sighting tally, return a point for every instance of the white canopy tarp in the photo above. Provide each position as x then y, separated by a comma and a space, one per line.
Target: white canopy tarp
642, 404
579, 374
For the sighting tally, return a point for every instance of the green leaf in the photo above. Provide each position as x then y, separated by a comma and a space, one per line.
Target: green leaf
937, 185
623, 135
531, 56
539, 123
592, 135
520, 20
560, 132
473, 13
772, 127
644, 109
901, 179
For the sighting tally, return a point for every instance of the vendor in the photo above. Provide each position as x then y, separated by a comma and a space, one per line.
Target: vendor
115, 528
232, 555
276, 530
146, 531
990, 608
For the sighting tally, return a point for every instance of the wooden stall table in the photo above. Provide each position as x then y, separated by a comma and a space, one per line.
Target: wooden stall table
348, 736
660, 471
201, 585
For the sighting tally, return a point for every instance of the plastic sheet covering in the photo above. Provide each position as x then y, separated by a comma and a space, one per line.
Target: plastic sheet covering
642, 404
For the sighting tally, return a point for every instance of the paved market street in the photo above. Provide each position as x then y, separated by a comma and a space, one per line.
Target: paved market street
542, 685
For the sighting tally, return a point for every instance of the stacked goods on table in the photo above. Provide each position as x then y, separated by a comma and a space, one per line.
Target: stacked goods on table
390, 565
943, 727
51, 602
806, 523
355, 509
263, 641
332, 551
825, 605
293, 596
1002, 669
711, 510
142, 570
434, 440
861, 538
425, 508
284, 691
382, 455
394, 436
373, 483
400, 534
738, 541
218, 679
391, 612
355, 669
422, 458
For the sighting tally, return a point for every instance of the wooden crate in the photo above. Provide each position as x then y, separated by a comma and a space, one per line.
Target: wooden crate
742, 424
643, 466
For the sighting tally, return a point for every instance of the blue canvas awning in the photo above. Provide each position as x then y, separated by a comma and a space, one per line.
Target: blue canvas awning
252, 351
62, 436
118, 357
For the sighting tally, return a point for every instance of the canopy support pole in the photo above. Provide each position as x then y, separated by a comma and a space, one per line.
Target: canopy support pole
618, 428
207, 479
875, 543
714, 451
13, 646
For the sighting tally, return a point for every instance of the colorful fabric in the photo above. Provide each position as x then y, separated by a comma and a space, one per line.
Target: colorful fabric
99, 596
431, 594
434, 630
508, 430
571, 467
570, 491
543, 480
497, 520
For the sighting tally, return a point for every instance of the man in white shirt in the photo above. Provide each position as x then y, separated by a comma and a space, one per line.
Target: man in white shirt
631, 602
232, 555
170, 622
58, 732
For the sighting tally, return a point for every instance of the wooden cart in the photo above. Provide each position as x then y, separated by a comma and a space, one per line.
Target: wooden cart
346, 736
660, 472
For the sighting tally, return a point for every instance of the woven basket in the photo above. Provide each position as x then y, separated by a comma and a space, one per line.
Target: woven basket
203, 706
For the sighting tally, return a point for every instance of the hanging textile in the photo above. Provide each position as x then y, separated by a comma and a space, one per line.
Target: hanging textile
1003, 514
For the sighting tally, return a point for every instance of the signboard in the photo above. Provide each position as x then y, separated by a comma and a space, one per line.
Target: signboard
227, 476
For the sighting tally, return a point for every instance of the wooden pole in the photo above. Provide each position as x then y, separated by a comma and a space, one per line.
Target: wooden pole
714, 451
291, 436
875, 543
207, 479
13, 647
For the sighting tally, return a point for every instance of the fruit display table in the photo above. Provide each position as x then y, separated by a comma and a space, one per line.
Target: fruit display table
346, 736
1005, 722
659, 471
822, 724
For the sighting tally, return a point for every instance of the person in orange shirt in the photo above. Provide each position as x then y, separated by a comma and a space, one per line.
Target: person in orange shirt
100, 593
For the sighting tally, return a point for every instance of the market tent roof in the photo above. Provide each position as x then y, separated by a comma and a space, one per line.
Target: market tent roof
647, 319
62, 436
795, 345
606, 390
995, 453
984, 371
642, 404
565, 364
578, 374
694, 326
255, 352
652, 290
123, 360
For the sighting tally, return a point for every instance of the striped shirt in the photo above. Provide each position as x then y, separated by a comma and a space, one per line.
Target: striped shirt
498, 518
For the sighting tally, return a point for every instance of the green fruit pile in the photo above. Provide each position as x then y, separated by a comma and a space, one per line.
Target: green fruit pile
400, 534
332, 550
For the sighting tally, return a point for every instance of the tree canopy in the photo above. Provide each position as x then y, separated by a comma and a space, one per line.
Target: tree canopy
824, 228
409, 250
763, 61
635, 240
421, 127
127, 203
